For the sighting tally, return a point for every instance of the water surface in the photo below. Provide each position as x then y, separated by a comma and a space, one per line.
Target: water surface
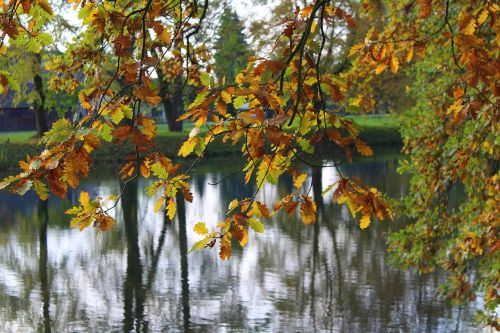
329, 277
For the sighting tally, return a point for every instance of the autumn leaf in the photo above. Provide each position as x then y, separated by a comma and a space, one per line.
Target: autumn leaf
159, 203
299, 180
363, 148
225, 247
145, 168
394, 63
153, 100
380, 68
308, 210
409, 55
233, 204
225, 97
470, 27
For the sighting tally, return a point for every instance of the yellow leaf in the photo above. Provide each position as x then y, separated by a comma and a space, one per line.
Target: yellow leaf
244, 238
225, 97
313, 26
357, 101
409, 56
299, 180
200, 229
356, 48
394, 63
165, 36
171, 208
470, 28
482, 17
380, 68
188, 146
148, 127
84, 199
455, 107
365, 221
233, 204
158, 204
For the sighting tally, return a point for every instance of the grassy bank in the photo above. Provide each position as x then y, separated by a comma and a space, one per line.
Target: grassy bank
378, 131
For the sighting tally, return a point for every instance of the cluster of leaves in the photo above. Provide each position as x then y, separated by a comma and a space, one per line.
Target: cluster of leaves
450, 50
286, 119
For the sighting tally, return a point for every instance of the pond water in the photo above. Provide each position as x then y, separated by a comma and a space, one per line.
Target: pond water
140, 277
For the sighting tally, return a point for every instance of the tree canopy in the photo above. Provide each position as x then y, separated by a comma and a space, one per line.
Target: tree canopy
449, 49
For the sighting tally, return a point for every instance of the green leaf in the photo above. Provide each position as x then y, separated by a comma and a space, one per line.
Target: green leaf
45, 38
61, 131
200, 244
41, 189
305, 145
199, 99
256, 225
205, 79
159, 171
84, 12
239, 101
106, 133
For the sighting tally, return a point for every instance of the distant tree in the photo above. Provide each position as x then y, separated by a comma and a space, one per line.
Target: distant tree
26, 58
231, 49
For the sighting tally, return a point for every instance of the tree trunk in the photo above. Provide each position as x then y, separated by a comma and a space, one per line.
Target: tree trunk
39, 104
173, 104
177, 105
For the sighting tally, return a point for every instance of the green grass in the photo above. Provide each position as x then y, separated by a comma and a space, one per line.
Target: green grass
378, 131
17, 137
378, 121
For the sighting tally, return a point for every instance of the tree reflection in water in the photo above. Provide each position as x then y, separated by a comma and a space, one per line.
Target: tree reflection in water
133, 290
43, 218
326, 277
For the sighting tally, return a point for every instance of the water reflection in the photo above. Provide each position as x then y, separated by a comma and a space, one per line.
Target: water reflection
141, 278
